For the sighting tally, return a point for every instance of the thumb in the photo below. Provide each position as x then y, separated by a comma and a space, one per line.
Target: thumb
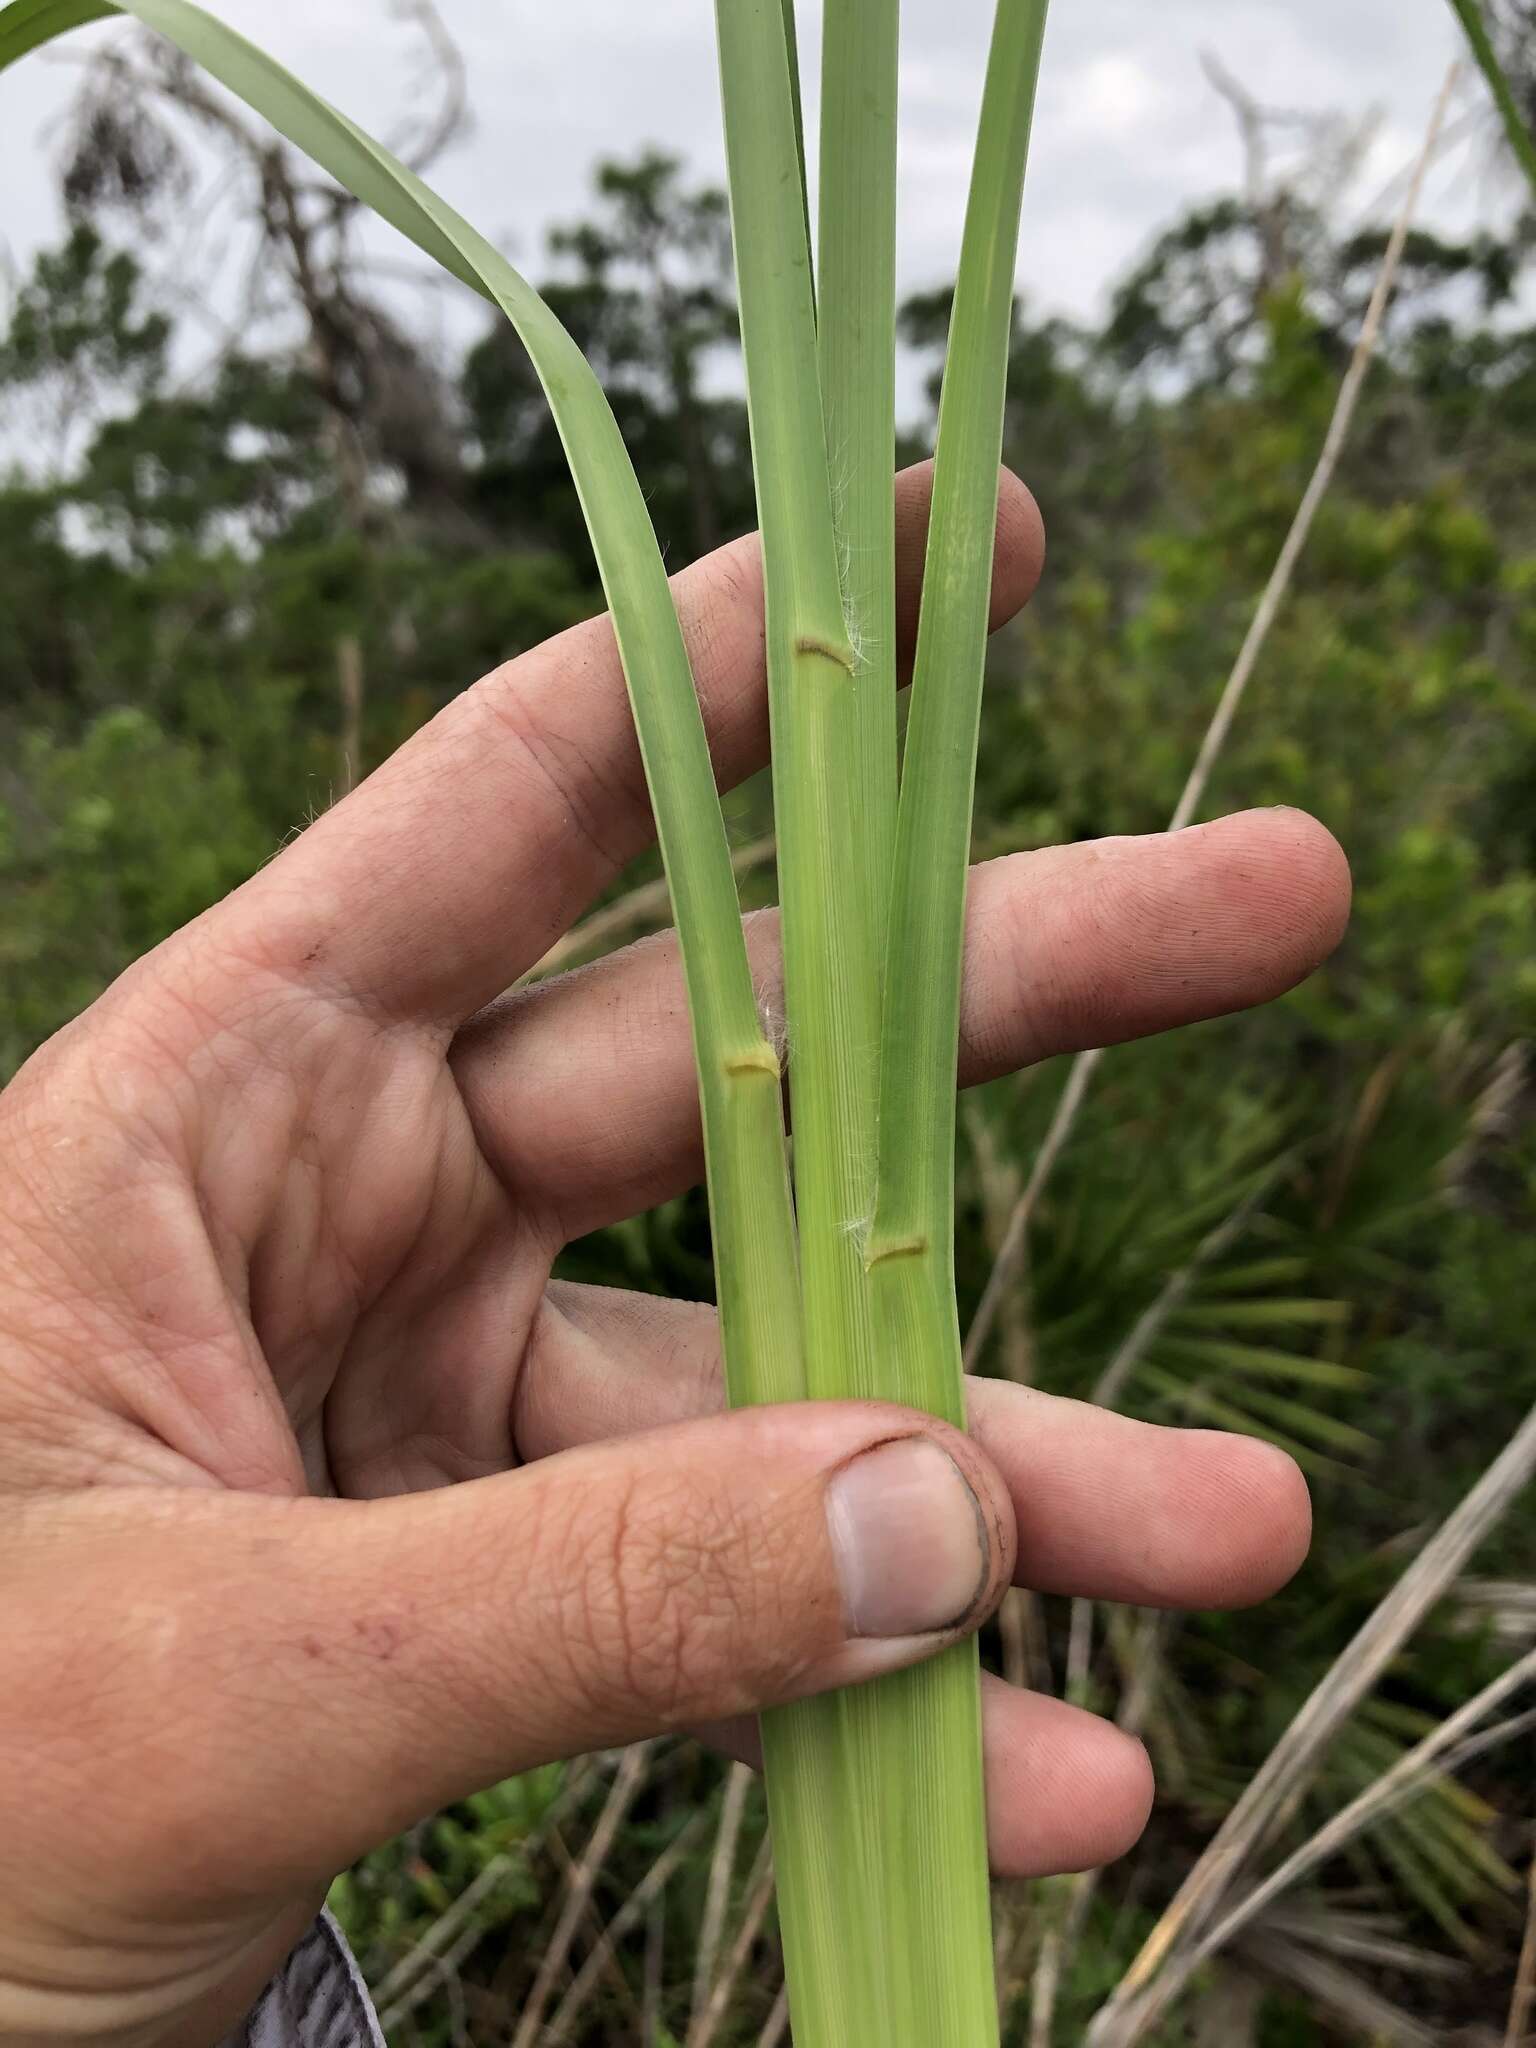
295, 1681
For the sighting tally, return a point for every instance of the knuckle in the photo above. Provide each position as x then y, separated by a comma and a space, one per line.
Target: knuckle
686, 1607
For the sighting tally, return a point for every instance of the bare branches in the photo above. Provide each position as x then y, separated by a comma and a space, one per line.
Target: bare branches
1249, 117
1081, 1072
447, 122
386, 409
1326, 154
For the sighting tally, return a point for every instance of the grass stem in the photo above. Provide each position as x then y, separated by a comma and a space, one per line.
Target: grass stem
820, 1788
932, 1734
856, 336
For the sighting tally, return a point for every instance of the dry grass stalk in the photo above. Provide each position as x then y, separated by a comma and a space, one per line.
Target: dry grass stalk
1523, 2003
602, 1951
1409, 1775
1142, 1656
1153, 1319
630, 1776
706, 2024
1374, 1097
442, 1964
451, 1937
1360, 1937
634, 1909
1011, 1251
1495, 1114
998, 1180
1020, 1920
722, 1867
650, 904
1144, 1662
1025, 1645
1229, 2011
1145, 1992
1043, 1989
1111, 1384
1505, 1607
1066, 1902
349, 684
1370, 2016
438, 1954
653, 1986
1079, 1653
1078, 1079
1496, 1737
1013, 1633
778, 2022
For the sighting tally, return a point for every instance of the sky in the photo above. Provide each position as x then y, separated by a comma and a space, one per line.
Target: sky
1128, 127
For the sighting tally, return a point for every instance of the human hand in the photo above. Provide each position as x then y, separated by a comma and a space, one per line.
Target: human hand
320, 1505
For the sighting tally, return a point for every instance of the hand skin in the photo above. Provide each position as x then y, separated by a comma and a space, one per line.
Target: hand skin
320, 1505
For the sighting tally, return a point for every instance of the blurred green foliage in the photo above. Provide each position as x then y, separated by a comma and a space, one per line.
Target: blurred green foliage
193, 565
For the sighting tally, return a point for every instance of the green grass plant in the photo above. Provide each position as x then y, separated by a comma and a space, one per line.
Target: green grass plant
845, 1287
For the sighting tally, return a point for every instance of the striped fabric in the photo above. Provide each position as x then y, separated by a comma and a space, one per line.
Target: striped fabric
316, 2000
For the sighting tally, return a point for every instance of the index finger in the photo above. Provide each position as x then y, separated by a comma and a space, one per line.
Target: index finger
453, 868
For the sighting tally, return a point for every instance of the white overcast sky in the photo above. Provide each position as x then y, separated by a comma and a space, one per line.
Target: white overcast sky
1128, 127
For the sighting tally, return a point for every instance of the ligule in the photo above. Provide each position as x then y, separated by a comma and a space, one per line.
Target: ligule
839, 652
760, 1059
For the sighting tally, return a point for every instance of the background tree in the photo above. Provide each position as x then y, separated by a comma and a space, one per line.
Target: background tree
646, 288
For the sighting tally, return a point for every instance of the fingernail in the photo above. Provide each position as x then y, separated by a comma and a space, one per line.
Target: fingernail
909, 1538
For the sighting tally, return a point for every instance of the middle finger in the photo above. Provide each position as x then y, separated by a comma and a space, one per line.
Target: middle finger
583, 1090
